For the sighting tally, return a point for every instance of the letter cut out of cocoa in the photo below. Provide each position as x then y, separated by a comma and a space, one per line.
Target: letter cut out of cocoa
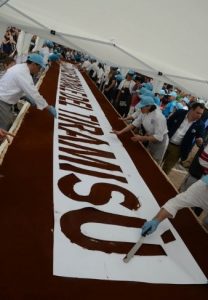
67, 184
72, 221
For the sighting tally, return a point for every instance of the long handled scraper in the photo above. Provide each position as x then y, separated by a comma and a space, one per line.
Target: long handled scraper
135, 248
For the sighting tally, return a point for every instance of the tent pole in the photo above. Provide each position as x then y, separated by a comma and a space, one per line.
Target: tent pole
3, 2
24, 15
41, 25
165, 77
87, 39
62, 36
187, 78
136, 58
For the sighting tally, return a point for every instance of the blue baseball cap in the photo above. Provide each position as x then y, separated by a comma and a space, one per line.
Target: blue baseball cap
119, 77
145, 92
131, 72
148, 86
173, 94
49, 44
37, 59
54, 57
56, 53
146, 101
162, 92
186, 100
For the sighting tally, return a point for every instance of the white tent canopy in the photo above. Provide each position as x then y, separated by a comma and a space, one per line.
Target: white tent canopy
149, 36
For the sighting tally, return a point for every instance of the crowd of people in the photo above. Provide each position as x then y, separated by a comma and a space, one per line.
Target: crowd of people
167, 122
8, 44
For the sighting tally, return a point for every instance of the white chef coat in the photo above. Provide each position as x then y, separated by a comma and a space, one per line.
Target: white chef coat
127, 84
195, 196
18, 81
153, 122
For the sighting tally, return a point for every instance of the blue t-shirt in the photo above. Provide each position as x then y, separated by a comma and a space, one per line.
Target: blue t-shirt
169, 108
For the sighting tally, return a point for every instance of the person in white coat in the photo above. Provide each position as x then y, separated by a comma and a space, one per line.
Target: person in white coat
17, 82
154, 125
46, 50
194, 196
123, 98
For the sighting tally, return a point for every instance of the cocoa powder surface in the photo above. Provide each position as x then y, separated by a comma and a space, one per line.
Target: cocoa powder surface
27, 221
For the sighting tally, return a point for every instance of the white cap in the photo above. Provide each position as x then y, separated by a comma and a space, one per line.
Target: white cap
201, 101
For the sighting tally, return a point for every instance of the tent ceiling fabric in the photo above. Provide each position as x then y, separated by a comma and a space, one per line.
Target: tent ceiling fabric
167, 36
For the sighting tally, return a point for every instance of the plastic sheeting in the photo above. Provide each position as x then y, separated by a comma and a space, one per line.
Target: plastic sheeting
149, 36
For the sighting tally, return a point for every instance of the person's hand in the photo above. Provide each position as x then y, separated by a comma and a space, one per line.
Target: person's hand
117, 132
122, 118
149, 227
52, 110
137, 138
5, 134
199, 142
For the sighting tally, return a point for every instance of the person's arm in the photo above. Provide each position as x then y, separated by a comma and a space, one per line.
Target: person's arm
132, 83
199, 142
162, 215
150, 226
5, 134
27, 86
200, 134
5, 41
144, 138
119, 92
125, 129
193, 196
130, 117
111, 86
117, 97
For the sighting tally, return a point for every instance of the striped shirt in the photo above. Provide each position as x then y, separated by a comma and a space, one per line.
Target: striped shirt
203, 160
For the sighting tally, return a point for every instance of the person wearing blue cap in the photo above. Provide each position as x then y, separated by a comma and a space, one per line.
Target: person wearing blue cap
157, 99
123, 98
135, 97
119, 77
145, 92
148, 84
45, 50
169, 108
110, 84
154, 126
18, 81
54, 57
185, 102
